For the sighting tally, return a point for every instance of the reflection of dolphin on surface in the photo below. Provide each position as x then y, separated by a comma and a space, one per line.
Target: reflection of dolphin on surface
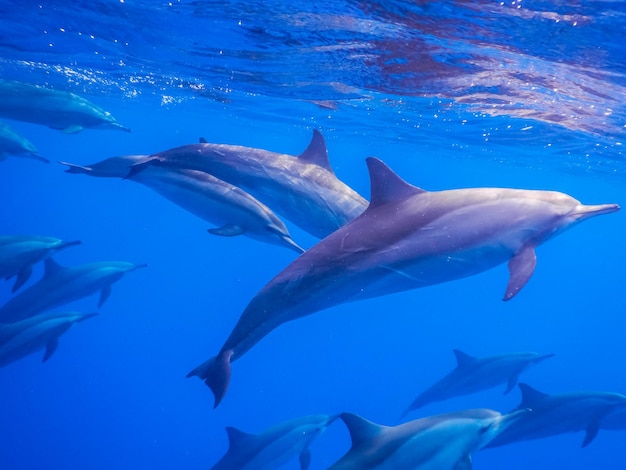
13, 144
473, 374
438, 442
18, 254
61, 110
303, 189
275, 446
27, 336
231, 209
406, 239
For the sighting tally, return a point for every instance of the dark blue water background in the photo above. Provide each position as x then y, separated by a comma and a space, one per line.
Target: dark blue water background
450, 94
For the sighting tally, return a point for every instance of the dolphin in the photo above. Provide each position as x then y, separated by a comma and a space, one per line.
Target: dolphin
303, 189
441, 442
273, 447
61, 285
407, 238
18, 254
560, 413
473, 374
27, 336
232, 210
60, 110
11, 143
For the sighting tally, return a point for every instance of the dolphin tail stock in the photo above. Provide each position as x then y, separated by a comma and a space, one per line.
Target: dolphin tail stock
215, 373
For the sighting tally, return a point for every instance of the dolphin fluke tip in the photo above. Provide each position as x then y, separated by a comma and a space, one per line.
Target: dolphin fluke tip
215, 373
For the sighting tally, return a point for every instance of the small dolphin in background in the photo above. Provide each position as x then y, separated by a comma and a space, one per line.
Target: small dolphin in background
275, 446
11, 143
18, 254
473, 374
406, 239
61, 285
22, 338
231, 209
60, 110
303, 189
441, 442
559, 414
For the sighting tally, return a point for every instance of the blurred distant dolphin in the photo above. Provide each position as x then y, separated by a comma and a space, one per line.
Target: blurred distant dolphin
231, 209
560, 413
61, 110
18, 254
11, 143
407, 238
273, 447
27, 336
303, 189
473, 374
61, 285
441, 442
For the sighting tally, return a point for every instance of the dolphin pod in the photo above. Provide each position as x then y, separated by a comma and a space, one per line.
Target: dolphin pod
11, 143
406, 239
473, 374
60, 110
232, 210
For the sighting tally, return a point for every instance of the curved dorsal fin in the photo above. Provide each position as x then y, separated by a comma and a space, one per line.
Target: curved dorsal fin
386, 186
238, 439
362, 431
316, 152
530, 396
462, 358
51, 267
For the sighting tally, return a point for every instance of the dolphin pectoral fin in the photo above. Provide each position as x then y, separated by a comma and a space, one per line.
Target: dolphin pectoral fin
22, 277
510, 385
215, 373
50, 348
591, 433
104, 295
72, 129
521, 267
465, 463
228, 230
305, 459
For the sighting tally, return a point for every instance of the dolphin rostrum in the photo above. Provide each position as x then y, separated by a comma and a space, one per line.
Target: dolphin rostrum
61, 285
407, 238
232, 210
303, 189
441, 442
560, 413
11, 143
27, 336
273, 447
474, 374
61, 110
18, 254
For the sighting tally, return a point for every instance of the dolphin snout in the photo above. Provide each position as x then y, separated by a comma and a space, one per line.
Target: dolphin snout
584, 212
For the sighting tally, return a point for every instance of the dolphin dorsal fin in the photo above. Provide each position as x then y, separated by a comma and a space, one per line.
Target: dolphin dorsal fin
361, 430
316, 152
51, 267
202, 140
237, 439
386, 186
462, 358
530, 396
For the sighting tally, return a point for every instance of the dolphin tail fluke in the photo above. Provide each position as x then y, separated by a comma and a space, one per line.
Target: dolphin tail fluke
215, 373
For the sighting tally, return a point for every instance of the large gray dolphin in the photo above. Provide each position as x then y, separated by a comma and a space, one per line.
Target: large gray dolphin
561, 413
11, 143
473, 374
441, 442
27, 336
303, 189
61, 110
61, 285
273, 447
18, 254
232, 210
407, 238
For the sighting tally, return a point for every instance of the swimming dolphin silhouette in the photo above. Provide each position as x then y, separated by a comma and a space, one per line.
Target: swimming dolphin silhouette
232, 210
11, 143
441, 442
473, 374
27, 336
275, 446
406, 239
303, 189
61, 110
560, 413
18, 254
61, 285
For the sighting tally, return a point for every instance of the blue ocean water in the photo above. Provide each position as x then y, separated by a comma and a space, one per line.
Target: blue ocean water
526, 94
